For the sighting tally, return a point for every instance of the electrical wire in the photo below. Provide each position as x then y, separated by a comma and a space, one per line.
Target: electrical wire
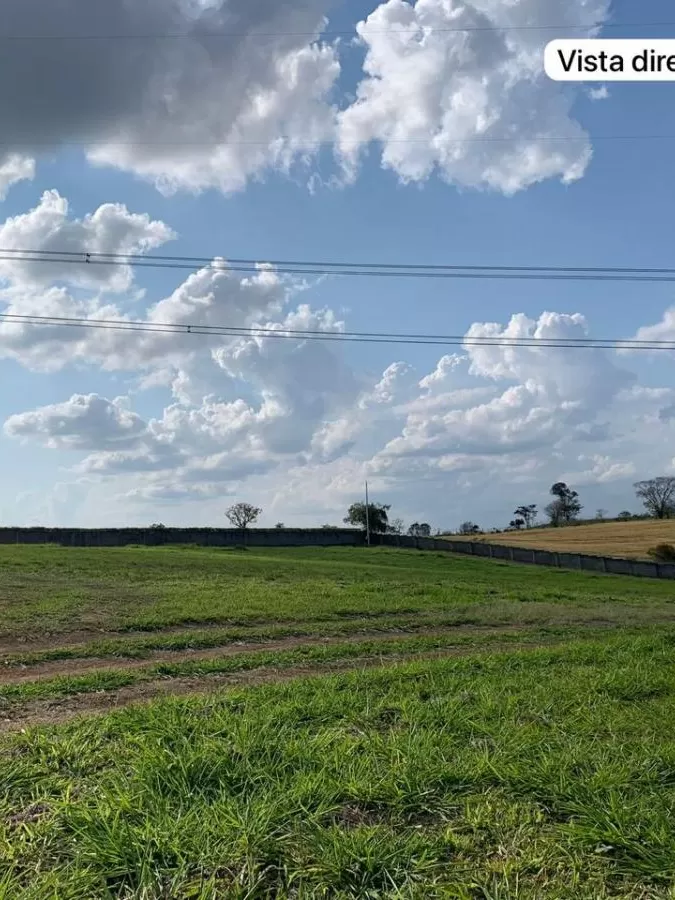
323, 264
174, 328
366, 269
328, 33
28, 141
56, 257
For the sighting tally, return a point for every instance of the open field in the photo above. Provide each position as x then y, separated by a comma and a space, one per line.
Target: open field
344, 723
74, 594
626, 540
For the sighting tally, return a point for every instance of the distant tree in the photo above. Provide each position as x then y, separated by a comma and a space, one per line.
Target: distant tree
241, 515
527, 513
625, 515
556, 513
566, 507
397, 526
280, 525
517, 524
418, 529
601, 515
658, 496
469, 528
158, 526
378, 517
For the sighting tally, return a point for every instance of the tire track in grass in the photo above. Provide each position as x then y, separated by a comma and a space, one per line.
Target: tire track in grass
136, 645
53, 702
47, 641
62, 710
16, 672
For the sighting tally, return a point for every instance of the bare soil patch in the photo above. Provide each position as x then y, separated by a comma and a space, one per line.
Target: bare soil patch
47, 640
55, 712
70, 667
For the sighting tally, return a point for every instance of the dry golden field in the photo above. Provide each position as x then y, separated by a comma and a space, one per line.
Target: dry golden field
629, 540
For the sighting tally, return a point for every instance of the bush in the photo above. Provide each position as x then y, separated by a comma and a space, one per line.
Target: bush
663, 553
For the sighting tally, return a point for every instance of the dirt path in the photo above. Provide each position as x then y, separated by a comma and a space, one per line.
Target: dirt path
74, 667
62, 709
397, 623
47, 640
54, 712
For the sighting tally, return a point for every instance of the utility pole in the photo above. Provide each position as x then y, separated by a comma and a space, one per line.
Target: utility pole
367, 517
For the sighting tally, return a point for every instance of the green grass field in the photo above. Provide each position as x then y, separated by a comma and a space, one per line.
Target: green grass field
346, 723
63, 590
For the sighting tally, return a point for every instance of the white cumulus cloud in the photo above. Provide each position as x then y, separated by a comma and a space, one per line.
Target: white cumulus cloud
15, 168
81, 423
454, 87
660, 331
48, 229
195, 96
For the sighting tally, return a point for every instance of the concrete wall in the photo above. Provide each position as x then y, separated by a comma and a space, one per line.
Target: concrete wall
205, 537
535, 557
288, 537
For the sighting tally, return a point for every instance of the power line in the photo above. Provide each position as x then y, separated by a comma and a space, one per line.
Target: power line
114, 257
28, 141
175, 328
316, 33
365, 269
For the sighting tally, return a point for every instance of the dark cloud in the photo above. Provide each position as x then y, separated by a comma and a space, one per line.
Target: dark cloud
67, 74
165, 88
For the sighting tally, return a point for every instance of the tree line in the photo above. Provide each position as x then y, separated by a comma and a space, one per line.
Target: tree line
656, 494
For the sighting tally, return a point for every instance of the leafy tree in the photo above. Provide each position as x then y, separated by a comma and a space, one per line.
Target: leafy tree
601, 515
280, 525
396, 526
527, 513
241, 515
469, 528
418, 529
658, 496
158, 526
518, 524
556, 513
566, 507
625, 515
378, 517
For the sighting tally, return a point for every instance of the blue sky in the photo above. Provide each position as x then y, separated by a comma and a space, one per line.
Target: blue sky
297, 429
